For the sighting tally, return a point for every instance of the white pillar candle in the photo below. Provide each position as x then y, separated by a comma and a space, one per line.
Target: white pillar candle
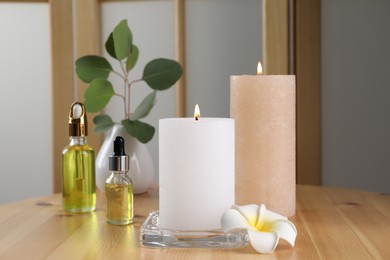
196, 169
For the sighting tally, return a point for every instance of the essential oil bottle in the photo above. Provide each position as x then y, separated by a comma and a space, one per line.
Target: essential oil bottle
118, 187
78, 165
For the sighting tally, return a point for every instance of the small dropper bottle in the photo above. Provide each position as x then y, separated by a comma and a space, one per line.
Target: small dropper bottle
118, 187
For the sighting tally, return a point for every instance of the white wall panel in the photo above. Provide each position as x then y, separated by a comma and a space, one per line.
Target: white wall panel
223, 39
25, 101
355, 94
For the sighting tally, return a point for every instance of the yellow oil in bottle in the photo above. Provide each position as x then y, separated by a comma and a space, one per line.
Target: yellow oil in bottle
119, 203
78, 176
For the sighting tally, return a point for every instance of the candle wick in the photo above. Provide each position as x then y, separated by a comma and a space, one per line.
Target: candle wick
196, 118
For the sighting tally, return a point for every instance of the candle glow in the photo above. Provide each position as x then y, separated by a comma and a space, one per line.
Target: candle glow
259, 69
196, 112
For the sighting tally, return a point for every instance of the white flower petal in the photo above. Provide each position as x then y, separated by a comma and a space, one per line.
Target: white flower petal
232, 219
263, 242
270, 215
266, 215
264, 227
286, 230
250, 212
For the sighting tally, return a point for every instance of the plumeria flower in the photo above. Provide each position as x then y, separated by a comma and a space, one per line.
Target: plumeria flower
265, 227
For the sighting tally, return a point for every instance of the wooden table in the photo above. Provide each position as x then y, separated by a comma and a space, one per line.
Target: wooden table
332, 223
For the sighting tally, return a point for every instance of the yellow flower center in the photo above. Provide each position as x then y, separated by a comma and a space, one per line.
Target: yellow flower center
265, 226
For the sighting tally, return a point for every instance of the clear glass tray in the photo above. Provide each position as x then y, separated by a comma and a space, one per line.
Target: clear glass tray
153, 236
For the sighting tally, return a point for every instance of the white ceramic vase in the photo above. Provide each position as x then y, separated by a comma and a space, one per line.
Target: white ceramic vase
141, 170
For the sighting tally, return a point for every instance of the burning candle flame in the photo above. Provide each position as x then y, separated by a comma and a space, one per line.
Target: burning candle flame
196, 112
259, 69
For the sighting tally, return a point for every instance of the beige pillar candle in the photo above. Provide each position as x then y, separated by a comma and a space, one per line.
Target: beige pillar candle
263, 107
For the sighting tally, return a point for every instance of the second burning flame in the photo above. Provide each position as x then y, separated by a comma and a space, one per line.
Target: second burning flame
196, 112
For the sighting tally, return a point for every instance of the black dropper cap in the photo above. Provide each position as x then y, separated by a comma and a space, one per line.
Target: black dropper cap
119, 146
119, 161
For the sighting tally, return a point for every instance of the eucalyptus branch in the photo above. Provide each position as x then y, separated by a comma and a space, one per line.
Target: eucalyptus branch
135, 81
119, 95
124, 98
122, 65
118, 74
128, 97
159, 74
126, 89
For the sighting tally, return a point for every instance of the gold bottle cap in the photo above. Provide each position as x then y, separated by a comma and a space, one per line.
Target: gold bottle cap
78, 120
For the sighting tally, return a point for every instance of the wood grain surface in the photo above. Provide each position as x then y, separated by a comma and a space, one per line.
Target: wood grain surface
332, 223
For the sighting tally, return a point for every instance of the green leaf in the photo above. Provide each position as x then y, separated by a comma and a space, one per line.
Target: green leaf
102, 123
160, 74
133, 57
140, 130
98, 94
110, 46
144, 107
92, 67
123, 40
